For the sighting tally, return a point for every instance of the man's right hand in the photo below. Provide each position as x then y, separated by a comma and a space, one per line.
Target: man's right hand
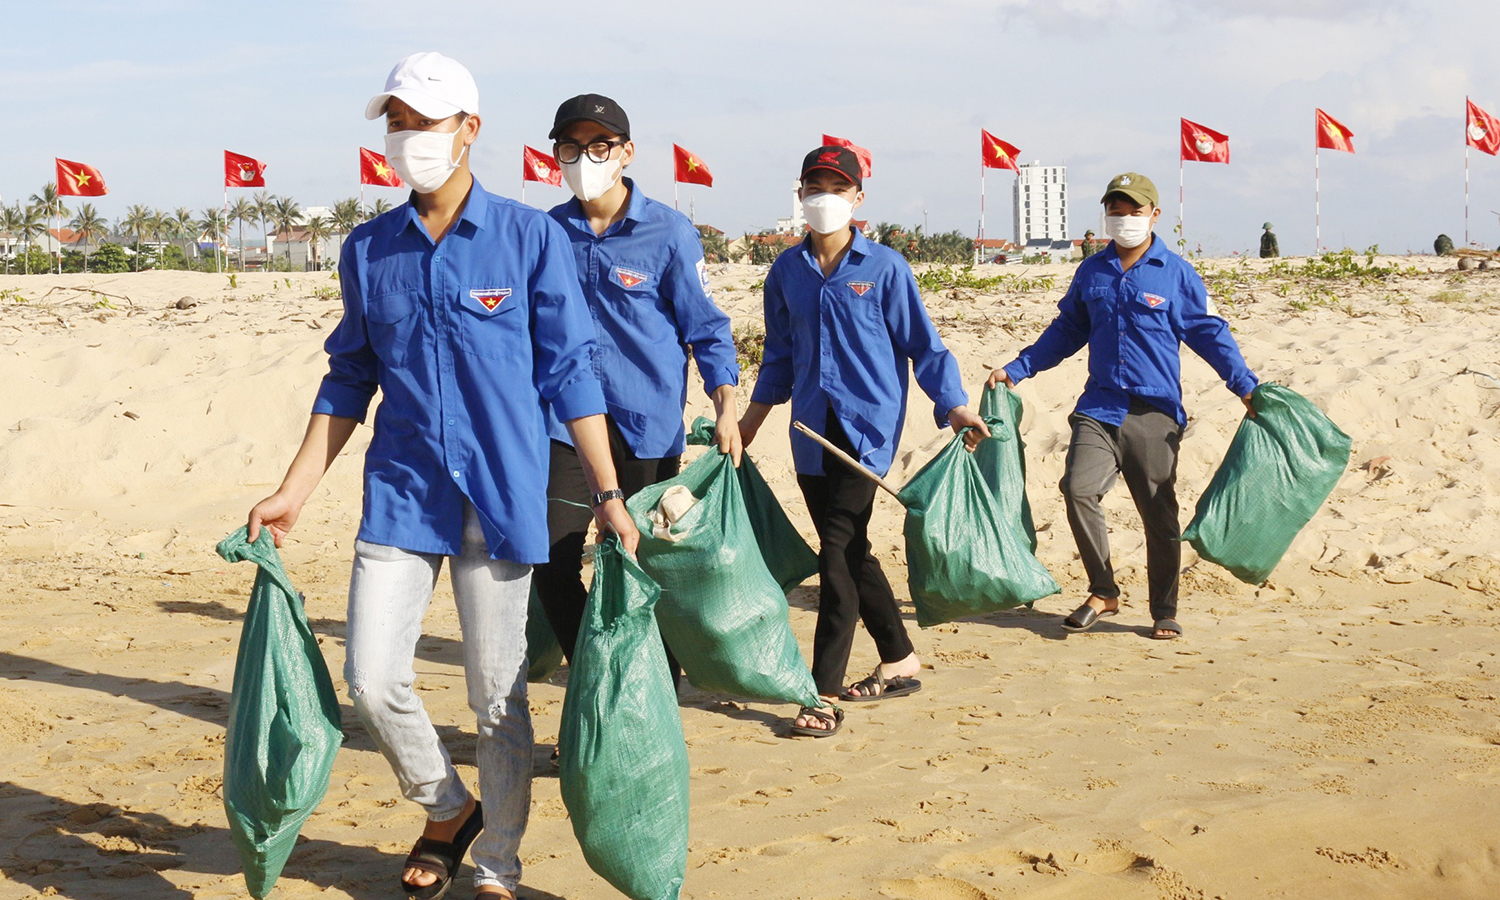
999, 377
278, 513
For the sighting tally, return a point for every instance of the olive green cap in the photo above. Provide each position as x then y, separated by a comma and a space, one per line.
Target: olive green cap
1267, 226
1137, 187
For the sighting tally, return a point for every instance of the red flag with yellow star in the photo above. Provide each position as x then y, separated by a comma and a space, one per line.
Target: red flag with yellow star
373, 169
74, 179
996, 153
690, 169
1332, 135
539, 166
243, 171
863, 154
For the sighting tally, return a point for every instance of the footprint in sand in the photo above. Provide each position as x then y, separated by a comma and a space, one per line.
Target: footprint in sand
933, 888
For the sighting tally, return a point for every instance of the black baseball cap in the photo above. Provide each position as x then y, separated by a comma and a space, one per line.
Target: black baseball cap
835, 159
590, 108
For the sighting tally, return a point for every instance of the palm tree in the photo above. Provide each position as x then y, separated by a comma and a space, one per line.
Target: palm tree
318, 231
180, 225
10, 218
345, 218
265, 206
29, 224
88, 224
214, 226
50, 204
137, 222
241, 212
381, 206
286, 213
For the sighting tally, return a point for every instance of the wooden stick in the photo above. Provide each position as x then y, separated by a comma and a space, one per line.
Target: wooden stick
846, 459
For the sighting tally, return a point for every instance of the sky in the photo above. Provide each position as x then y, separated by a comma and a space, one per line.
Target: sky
151, 93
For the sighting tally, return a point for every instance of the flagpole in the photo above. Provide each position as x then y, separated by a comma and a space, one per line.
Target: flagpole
224, 225
1181, 205
674, 190
1317, 204
981, 206
1466, 188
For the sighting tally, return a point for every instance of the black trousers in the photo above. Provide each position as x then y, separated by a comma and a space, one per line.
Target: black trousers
852, 588
559, 581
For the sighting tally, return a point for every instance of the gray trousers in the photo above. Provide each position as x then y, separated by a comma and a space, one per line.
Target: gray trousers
1143, 448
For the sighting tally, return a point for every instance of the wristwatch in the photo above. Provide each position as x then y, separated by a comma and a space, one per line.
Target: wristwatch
604, 497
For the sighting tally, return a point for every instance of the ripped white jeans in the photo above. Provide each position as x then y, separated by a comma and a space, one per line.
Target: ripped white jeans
389, 592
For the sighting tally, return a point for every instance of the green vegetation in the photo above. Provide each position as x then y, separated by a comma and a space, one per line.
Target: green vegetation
948, 277
749, 345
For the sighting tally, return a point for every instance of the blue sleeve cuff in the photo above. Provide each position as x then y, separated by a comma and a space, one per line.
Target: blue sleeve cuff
1244, 383
583, 397
715, 378
1017, 371
949, 400
770, 393
343, 400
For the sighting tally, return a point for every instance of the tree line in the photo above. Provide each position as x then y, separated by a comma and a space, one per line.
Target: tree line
166, 234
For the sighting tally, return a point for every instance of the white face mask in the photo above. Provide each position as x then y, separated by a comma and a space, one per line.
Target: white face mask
590, 180
423, 159
1128, 231
827, 213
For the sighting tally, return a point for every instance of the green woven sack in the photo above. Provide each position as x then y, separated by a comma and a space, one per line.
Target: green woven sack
786, 554
1280, 467
624, 764
544, 653
721, 611
1002, 457
963, 558
284, 722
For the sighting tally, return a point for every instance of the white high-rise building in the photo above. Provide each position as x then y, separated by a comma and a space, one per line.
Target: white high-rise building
1041, 195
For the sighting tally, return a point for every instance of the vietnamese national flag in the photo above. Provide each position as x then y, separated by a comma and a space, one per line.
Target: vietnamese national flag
995, 153
539, 166
863, 154
373, 169
74, 179
1332, 134
1201, 144
242, 171
1482, 130
690, 169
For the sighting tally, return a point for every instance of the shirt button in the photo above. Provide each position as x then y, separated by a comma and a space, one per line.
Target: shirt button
452, 421
455, 474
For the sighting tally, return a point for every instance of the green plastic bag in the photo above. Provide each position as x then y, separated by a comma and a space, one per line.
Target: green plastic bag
544, 652
721, 611
1280, 467
962, 557
786, 554
284, 722
1002, 457
624, 764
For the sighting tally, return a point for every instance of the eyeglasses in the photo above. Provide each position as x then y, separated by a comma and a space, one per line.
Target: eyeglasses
598, 151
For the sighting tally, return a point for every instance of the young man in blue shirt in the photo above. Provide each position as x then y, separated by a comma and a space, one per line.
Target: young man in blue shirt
1133, 304
640, 265
844, 317
462, 308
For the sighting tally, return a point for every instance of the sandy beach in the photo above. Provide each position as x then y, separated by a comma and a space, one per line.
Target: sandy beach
1332, 733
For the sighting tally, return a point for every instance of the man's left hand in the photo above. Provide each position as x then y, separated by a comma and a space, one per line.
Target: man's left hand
727, 434
1249, 407
960, 417
614, 518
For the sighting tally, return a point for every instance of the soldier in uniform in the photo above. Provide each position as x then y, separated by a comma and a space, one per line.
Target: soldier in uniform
1268, 245
1090, 246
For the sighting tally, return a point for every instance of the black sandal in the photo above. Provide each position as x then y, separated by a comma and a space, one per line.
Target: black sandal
899, 686
1170, 626
441, 858
836, 717
1085, 617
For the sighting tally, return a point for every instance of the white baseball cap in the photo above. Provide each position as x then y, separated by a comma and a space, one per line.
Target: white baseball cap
430, 83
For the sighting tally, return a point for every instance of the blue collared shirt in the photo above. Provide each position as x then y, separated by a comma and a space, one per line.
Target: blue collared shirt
1134, 323
844, 342
465, 341
648, 292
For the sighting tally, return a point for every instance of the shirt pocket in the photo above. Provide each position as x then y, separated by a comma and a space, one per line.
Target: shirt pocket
1151, 313
393, 325
490, 325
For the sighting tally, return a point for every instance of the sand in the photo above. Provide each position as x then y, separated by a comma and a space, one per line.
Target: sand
1331, 733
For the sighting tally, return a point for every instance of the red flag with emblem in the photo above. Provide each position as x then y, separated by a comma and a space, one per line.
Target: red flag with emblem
1200, 144
996, 153
863, 154
1483, 130
373, 169
690, 169
243, 171
1332, 135
539, 166
74, 179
